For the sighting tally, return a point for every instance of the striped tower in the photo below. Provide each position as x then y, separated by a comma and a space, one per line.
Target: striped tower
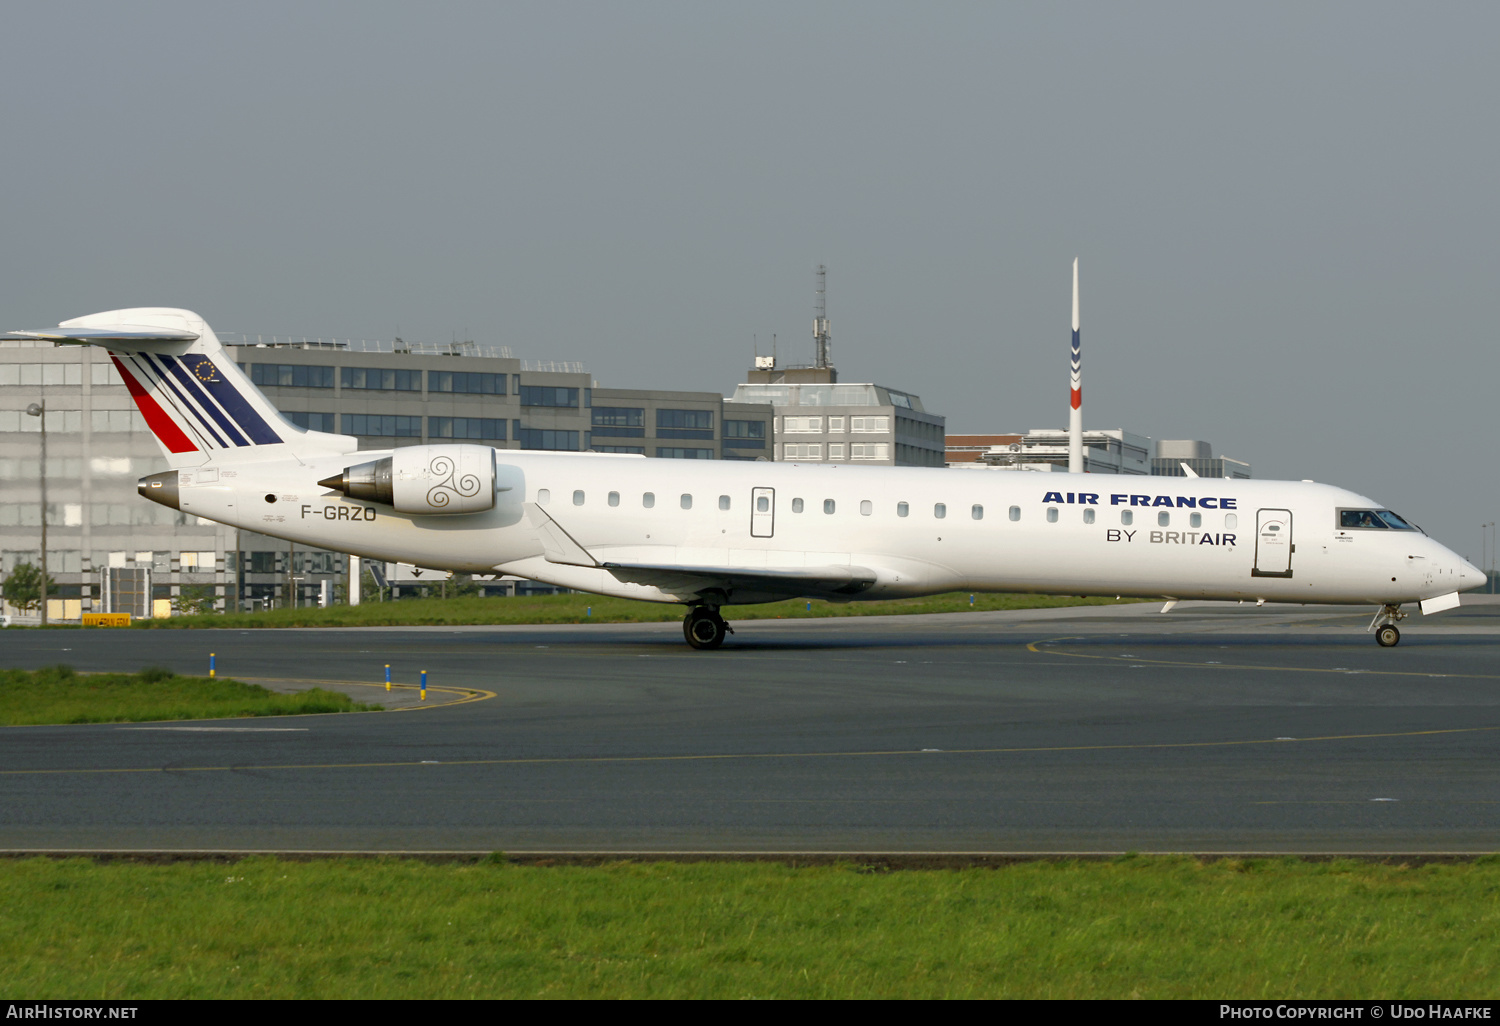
1075, 402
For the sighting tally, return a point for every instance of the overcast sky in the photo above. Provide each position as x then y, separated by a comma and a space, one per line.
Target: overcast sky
1286, 213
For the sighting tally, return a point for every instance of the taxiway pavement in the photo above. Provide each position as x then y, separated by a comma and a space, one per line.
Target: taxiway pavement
1211, 728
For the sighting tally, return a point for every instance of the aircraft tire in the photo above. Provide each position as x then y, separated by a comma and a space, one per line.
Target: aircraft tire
1387, 636
704, 629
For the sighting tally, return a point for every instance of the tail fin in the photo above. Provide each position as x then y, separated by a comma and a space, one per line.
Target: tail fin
194, 397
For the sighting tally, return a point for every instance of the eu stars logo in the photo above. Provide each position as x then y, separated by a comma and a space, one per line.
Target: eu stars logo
206, 371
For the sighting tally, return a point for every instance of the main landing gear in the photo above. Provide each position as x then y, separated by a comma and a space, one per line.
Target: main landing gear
703, 627
1384, 625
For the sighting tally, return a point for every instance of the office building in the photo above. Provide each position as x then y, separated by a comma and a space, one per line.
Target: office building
1172, 455
1112, 451
820, 420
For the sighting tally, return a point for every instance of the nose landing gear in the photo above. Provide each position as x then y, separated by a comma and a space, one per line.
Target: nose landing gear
703, 627
1384, 625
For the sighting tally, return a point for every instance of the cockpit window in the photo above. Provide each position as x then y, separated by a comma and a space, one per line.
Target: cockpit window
1372, 519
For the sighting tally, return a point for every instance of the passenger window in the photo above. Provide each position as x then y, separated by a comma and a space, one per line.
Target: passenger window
578, 498
977, 512
1088, 516
614, 498
1127, 517
902, 509
1051, 514
1015, 512
796, 505
828, 506
687, 501
1195, 519
543, 496
723, 502
866, 507
1231, 521
762, 504
648, 499
940, 510
1163, 518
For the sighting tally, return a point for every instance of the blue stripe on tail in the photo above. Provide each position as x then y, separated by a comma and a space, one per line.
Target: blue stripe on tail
229, 397
160, 379
191, 386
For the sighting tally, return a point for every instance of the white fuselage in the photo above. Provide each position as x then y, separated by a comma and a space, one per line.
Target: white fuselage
999, 531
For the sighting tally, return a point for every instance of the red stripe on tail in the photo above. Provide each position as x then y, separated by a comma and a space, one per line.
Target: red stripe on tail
1077, 398
161, 425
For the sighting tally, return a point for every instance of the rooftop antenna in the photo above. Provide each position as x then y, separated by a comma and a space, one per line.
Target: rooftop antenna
822, 340
1075, 401
765, 363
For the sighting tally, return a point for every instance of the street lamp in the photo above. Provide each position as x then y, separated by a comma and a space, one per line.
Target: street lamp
39, 411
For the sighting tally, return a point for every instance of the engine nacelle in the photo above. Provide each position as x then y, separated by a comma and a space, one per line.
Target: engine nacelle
424, 479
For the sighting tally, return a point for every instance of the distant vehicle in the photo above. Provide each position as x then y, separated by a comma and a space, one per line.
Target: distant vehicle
713, 534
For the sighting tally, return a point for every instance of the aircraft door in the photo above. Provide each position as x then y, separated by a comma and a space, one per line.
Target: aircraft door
1273, 543
762, 512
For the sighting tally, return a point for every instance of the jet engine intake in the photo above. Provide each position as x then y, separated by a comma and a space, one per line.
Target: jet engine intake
424, 479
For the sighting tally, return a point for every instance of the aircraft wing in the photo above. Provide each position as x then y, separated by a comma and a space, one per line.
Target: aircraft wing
558, 546
789, 581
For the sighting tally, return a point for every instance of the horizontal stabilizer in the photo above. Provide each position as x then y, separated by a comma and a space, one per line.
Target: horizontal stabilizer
98, 335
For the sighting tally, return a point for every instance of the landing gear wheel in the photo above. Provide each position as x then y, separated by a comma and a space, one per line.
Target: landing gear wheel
1387, 636
704, 628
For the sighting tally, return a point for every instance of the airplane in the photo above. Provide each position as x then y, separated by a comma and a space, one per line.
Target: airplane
708, 535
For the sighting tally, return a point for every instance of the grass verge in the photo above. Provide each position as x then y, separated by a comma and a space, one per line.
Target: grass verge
594, 609
57, 694
1138, 927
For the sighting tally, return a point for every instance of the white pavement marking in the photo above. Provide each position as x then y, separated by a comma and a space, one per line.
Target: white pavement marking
227, 730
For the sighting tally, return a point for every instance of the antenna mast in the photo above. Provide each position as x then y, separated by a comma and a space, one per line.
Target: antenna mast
822, 340
1075, 397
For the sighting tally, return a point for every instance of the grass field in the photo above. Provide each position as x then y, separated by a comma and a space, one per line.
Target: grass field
1137, 927
591, 609
58, 695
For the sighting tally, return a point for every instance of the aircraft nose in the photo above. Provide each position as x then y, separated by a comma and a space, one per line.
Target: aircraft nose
1469, 574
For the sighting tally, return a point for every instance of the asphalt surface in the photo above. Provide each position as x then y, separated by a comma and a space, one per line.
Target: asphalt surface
1212, 728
